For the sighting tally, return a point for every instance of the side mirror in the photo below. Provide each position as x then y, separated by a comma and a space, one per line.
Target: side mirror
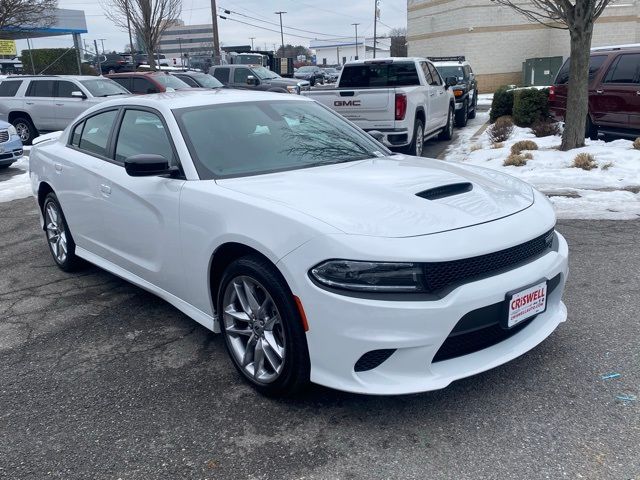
148, 165
251, 80
377, 134
450, 81
78, 94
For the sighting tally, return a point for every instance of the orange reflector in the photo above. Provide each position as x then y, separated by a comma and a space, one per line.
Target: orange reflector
458, 93
303, 316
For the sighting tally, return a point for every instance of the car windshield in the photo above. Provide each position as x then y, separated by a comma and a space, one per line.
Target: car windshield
452, 71
264, 73
251, 138
306, 69
207, 80
330, 70
103, 87
170, 81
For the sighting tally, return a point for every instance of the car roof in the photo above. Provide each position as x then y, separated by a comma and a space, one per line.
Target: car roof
51, 77
200, 97
134, 74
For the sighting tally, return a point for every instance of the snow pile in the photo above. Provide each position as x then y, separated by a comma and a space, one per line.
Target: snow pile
485, 99
15, 186
609, 191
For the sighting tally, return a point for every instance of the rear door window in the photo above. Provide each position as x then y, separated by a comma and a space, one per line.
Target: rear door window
40, 88
625, 69
402, 74
222, 74
123, 82
9, 88
95, 135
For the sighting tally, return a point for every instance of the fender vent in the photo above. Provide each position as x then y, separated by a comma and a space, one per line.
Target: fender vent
373, 359
446, 191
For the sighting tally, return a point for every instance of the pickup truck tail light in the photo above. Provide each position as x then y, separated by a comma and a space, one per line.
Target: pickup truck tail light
552, 93
401, 106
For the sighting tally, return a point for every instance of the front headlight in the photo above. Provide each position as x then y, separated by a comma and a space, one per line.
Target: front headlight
12, 131
360, 276
293, 89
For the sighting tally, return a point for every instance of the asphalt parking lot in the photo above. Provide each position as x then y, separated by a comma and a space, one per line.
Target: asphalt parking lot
101, 380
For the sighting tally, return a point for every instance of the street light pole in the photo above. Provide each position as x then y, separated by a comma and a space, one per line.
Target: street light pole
281, 32
102, 41
356, 25
252, 39
375, 25
129, 30
216, 40
181, 55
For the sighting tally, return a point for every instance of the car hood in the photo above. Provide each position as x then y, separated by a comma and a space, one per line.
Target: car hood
379, 197
286, 81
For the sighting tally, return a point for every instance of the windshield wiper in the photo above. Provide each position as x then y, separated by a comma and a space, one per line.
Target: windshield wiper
112, 94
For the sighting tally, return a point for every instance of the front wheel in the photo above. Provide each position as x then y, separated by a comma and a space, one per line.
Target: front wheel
447, 131
262, 327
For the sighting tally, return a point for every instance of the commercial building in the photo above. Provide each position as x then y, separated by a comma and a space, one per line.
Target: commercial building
340, 51
187, 39
496, 40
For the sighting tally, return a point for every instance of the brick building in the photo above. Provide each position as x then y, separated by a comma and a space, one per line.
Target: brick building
497, 40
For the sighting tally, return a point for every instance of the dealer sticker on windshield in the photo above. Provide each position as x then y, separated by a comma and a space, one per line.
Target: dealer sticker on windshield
526, 303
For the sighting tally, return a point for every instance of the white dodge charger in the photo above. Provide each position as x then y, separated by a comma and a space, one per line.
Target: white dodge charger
317, 253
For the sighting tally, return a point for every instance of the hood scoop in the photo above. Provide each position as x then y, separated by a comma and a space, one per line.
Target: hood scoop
446, 191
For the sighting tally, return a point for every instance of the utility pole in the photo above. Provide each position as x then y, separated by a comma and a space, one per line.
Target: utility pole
375, 25
216, 40
102, 41
356, 25
281, 32
252, 39
338, 55
181, 56
95, 44
129, 30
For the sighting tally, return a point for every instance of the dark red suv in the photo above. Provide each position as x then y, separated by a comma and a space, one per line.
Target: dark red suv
142, 83
614, 92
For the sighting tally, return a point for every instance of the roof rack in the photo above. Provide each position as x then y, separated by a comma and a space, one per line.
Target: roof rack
455, 58
31, 76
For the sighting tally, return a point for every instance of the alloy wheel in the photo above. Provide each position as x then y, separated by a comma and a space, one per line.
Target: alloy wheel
254, 329
450, 124
419, 142
23, 131
56, 234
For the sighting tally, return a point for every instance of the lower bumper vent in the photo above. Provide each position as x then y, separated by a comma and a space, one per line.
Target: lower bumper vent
373, 359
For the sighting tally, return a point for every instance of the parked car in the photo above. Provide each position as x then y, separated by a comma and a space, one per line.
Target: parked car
466, 90
39, 104
331, 75
310, 73
614, 92
402, 101
143, 83
318, 254
198, 79
10, 144
256, 77
115, 63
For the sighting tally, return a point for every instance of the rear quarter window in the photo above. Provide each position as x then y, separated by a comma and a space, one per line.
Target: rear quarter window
595, 63
9, 88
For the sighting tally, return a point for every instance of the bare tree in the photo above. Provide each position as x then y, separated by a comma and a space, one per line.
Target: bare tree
149, 19
578, 17
26, 14
398, 42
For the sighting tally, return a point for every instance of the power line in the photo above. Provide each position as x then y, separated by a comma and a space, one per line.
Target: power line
263, 28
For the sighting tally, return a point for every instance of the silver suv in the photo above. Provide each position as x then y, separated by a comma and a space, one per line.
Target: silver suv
39, 104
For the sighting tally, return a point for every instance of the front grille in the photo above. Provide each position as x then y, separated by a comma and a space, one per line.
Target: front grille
440, 275
481, 329
372, 359
4, 136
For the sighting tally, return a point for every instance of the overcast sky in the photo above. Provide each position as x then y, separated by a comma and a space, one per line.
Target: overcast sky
328, 17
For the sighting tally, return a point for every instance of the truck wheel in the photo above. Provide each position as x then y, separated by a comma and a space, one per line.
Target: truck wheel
416, 145
462, 115
447, 131
472, 113
26, 130
591, 131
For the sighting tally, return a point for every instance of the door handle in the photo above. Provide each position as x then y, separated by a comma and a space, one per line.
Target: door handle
29, 103
599, 91
105, 189
432, 94
59, 104
58, 167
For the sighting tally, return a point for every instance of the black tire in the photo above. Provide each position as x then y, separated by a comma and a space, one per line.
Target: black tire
71, 262
447, 132
4, 167
462, 115
26, 130
472, 113
294, 375
415, 147
591, 130
312, 81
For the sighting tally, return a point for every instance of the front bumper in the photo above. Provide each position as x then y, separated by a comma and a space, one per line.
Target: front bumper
343, 328
10, 151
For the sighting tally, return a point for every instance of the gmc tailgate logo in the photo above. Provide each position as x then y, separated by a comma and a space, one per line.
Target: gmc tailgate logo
346, 103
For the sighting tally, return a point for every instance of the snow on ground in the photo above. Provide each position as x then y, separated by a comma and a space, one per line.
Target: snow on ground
485, 99
17, 186
610, 191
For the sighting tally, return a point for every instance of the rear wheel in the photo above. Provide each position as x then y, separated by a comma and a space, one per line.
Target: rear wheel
25, 129
447, 132
263, 330
417, 144
59, 239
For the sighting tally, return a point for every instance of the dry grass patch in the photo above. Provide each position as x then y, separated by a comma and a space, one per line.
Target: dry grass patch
545, 128
585, 161
501, 130
516, 160
497, 145
474, 147
523, 145
607, 166
636, 143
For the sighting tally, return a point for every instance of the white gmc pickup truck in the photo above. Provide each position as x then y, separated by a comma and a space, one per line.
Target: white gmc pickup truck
401, 101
